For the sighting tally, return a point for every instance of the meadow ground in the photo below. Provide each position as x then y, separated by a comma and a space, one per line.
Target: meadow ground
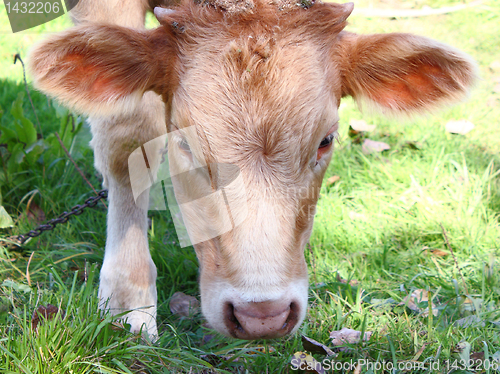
394, 230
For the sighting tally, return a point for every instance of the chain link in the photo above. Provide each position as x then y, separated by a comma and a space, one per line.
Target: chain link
63, 218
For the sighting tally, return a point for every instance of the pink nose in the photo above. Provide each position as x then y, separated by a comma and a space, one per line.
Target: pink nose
263, 320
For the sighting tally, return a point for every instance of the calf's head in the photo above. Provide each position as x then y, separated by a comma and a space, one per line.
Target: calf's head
261, 87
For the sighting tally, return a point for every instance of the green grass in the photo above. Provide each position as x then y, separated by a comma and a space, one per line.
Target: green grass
387, 226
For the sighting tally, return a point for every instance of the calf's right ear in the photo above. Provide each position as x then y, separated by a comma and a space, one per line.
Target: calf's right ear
103, 70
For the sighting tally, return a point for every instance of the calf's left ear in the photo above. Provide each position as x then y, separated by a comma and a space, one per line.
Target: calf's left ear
402, 72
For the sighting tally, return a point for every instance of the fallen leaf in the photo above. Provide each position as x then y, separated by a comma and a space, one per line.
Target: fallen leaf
117, 326
357, 216
440, 253
361, 125
463, 349
461, 127
184, 305
420, 351
371, 146
358, 369
477, 356
332, 180
44, 313
471, 304
495, 66
382, 303
304, 361
207, 338
5, 219
312, 345
350, 336
35, 213
352, 282
417, 297
492, 101
261, 349
416, 146
216, 360
496, 356
434, 251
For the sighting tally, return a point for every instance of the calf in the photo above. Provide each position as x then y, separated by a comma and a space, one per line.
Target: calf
248, 92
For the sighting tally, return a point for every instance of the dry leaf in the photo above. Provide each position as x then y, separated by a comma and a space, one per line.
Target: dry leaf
461, 127
356, 216
382, 303
5, 218
416, 297
416, 146
469, 321
492, 101
332, 180
44, 313
304, 361
439, 253
312, 345
117, 326
361, 125
495, 66
434, 251
471, 304
261, 349
184, 305
352, 282
348, 336
463, 349
35, 213
207, 338
371, 146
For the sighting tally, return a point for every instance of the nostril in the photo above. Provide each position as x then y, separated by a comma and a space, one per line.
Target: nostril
232, 322
293, 317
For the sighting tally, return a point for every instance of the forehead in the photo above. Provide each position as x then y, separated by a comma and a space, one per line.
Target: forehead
262, 87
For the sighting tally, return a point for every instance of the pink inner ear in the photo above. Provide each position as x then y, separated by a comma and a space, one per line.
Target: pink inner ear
93, 80
413, 90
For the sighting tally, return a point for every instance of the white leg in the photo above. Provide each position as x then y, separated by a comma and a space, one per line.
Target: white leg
128, 274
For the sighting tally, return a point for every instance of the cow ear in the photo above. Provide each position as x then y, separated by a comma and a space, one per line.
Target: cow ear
403, 72
102, 70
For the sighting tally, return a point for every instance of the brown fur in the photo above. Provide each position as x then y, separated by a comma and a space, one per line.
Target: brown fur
261, 82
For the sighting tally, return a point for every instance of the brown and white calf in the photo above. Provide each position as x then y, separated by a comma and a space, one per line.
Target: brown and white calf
260, 82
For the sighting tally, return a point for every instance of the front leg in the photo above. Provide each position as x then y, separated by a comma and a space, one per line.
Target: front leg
128, 274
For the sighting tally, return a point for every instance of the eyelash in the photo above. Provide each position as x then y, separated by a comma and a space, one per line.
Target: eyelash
326, 143
328, 140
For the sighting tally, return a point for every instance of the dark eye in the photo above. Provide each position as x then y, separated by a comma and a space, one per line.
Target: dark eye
327, 141
183, 145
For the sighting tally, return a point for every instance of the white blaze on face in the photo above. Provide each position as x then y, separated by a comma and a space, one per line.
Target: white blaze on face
259, 259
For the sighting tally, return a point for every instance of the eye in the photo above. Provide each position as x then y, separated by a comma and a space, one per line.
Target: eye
327, 140
184, 146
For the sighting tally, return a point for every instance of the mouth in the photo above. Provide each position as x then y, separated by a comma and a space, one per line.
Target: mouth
260, 324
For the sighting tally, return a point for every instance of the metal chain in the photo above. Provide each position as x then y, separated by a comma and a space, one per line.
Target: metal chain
63, 218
